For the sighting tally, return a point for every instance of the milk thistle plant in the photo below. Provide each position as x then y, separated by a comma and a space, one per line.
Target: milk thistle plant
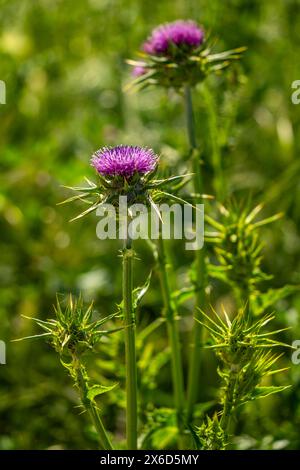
125, 170
73, 333
178, 55
128, 171
246, 357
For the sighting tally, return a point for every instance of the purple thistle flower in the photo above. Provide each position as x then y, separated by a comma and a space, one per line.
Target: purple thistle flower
179, 33
124, 160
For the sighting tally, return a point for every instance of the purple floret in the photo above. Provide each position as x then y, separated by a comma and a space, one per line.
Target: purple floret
181, 33
138, 71
124, 160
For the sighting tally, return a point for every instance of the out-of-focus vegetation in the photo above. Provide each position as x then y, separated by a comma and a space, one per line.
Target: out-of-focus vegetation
63, 63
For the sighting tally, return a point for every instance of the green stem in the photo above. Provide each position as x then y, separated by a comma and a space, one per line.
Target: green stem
82, 383
191, 123
173, 333
228, 401
95, 416
200, 269
243, 299
216, 158
130, 350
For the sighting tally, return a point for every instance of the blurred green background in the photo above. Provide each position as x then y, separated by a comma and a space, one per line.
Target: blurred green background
63, 63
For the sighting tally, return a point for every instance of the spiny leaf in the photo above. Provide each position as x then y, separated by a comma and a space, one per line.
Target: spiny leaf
139, 292
261, 392
154, 206
268, 220
158, 183
103, 320
265, 300
254, 213
31, 337
96, 390
90, 209
211, 320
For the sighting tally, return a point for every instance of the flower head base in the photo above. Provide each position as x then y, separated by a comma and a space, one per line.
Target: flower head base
177, 54
186, 35
124, 161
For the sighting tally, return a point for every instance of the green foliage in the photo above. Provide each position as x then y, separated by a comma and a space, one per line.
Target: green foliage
161, 430
265, 300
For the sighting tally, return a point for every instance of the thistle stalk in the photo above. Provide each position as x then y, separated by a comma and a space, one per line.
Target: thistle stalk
170, 314
228, 401
218, 179
130, 351
194, 366
81, 380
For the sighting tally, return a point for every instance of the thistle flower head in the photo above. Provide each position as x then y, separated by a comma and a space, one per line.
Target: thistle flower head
126, 171
73, 331
246, 356
180, 33
124, 160
238, 247
176, 54
211, 435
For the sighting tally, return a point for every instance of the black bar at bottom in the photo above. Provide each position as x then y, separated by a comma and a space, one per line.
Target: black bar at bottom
133, 459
